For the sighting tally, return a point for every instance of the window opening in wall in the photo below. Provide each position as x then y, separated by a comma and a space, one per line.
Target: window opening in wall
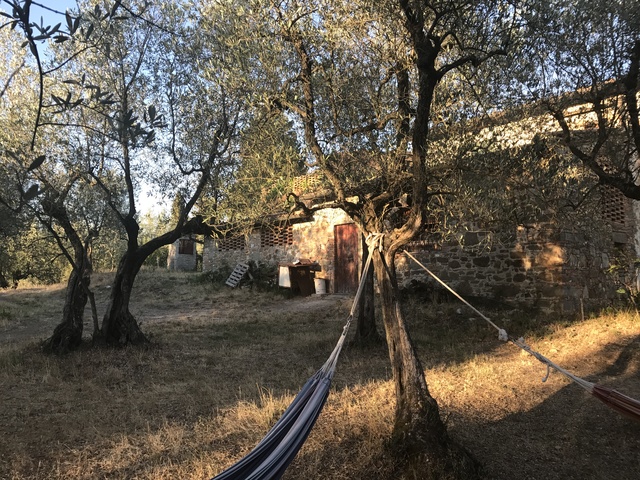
186, 246
613, 205
237, 242
276, 236
309, 183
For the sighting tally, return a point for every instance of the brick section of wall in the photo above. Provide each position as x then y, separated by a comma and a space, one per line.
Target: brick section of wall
614, 205
312, 240
232, 243
276, 236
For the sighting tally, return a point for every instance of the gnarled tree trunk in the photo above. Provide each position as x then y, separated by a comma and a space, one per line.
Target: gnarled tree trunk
419, 437
68, 334
119, 326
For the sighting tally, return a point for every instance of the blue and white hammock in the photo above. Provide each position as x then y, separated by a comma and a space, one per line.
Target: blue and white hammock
271, 457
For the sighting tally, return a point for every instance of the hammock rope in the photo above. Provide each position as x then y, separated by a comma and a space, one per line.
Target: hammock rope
612, 398
272, 455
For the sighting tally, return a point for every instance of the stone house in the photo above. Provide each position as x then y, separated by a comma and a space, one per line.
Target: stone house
328, 238
182, 255
543, 266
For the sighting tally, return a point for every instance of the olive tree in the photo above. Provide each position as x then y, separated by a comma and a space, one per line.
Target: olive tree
141, 81
371, 87
36, 191
137, 76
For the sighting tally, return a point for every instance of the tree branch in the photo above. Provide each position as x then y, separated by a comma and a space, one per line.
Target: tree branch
628, 188
13, 74
631, 93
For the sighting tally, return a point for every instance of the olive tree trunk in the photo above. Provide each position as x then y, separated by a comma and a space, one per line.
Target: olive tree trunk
419, 437
67, 335
119, 326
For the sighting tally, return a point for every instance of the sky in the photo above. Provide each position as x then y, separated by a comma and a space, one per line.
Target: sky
48, 17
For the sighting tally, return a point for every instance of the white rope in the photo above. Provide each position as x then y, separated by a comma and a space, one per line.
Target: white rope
502, 334
588, 386
505, 337
373, 240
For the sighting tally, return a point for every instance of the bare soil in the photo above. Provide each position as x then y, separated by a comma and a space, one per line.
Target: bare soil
224, 364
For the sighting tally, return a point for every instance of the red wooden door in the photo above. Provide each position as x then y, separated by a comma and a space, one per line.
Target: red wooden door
346, 258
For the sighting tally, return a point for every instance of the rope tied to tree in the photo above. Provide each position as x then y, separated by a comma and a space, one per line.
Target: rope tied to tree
373, 241
502, 333
271, 456
612, 398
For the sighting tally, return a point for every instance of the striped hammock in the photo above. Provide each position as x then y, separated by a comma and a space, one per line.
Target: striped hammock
271, 457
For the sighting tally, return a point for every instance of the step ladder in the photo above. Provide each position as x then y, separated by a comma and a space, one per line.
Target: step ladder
236, 276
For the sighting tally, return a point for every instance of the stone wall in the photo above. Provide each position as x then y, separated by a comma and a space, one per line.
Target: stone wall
542, 268
313, 240
182, 262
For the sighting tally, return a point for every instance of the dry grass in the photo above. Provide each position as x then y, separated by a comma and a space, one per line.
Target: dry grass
224, 365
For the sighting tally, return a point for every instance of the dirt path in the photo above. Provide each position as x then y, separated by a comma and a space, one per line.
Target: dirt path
30, 314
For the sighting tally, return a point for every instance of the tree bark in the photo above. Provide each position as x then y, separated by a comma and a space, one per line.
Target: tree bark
419, 437
119, 326
67, 335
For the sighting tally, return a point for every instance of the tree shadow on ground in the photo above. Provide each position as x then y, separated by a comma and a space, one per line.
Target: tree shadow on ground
570, 435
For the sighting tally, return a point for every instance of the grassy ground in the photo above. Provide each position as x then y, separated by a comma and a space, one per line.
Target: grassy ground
223, 365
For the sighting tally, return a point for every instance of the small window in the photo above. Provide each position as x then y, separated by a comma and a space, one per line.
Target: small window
276, 236
186, 246
232, 243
